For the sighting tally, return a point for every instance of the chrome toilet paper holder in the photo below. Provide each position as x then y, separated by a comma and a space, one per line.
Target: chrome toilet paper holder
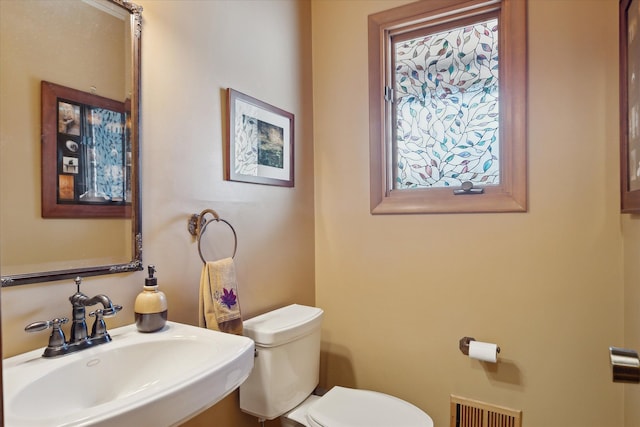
463, 344
625, 365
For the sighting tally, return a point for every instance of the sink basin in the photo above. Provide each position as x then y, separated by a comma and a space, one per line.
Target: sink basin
138, 379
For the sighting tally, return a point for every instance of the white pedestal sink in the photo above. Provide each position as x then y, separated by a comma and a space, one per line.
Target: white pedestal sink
139, 379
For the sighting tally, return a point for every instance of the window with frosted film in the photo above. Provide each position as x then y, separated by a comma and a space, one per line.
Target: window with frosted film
446, 107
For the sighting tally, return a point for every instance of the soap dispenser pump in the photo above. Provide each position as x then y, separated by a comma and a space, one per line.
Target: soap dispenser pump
151, 305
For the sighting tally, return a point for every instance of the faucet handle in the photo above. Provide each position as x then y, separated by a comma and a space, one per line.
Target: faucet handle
46, 324
99, 329
111, 311
56, 340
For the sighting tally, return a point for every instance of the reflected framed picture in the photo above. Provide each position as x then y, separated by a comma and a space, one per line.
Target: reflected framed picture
86, 154
630, 106
260, 142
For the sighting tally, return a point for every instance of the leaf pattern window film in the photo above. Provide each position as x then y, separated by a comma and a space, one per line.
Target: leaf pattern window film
105, 142
446, 108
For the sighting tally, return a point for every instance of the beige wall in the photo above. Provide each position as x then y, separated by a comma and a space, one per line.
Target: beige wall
547, 286
191, 51
631, 228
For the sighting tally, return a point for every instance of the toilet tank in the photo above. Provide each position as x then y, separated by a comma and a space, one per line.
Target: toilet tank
287, 362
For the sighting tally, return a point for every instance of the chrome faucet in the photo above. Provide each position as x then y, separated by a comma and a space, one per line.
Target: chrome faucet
79, 338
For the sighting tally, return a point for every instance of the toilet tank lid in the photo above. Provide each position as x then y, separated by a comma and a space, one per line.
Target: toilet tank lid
283, 325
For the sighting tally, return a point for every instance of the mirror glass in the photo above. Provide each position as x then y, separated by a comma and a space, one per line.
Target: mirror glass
91, 48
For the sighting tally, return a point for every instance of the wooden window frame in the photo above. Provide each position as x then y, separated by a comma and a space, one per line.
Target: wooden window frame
511, 194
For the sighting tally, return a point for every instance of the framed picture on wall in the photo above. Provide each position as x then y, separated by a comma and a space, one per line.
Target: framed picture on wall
86, 155
630, 106
260, 143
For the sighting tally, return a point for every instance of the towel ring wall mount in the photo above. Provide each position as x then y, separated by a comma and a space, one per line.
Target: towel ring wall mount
198, 224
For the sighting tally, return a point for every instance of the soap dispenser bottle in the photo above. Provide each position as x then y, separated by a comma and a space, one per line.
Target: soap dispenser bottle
151, 305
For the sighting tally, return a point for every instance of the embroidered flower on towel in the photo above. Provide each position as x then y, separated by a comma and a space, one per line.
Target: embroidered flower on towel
228, 298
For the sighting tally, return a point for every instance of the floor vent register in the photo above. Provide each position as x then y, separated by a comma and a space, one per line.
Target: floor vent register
472, 413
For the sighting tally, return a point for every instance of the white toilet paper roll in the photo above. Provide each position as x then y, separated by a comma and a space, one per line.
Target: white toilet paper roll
625, 361
485, 351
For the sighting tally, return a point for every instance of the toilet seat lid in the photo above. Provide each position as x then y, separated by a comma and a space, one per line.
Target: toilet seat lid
346, 407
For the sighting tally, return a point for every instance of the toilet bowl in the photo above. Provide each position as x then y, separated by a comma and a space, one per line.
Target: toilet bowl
347, 407
286, 372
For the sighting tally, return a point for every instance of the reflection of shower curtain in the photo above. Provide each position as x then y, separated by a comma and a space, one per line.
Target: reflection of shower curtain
103, 147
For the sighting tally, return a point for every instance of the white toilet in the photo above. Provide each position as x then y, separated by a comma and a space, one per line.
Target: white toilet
286, 372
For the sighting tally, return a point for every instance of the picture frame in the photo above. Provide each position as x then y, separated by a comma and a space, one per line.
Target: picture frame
259, 143
86, 155
629, 15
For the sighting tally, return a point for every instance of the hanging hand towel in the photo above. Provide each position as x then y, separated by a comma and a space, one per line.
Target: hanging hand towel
219, 308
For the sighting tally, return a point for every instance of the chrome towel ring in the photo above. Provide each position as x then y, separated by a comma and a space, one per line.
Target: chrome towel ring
198, 225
